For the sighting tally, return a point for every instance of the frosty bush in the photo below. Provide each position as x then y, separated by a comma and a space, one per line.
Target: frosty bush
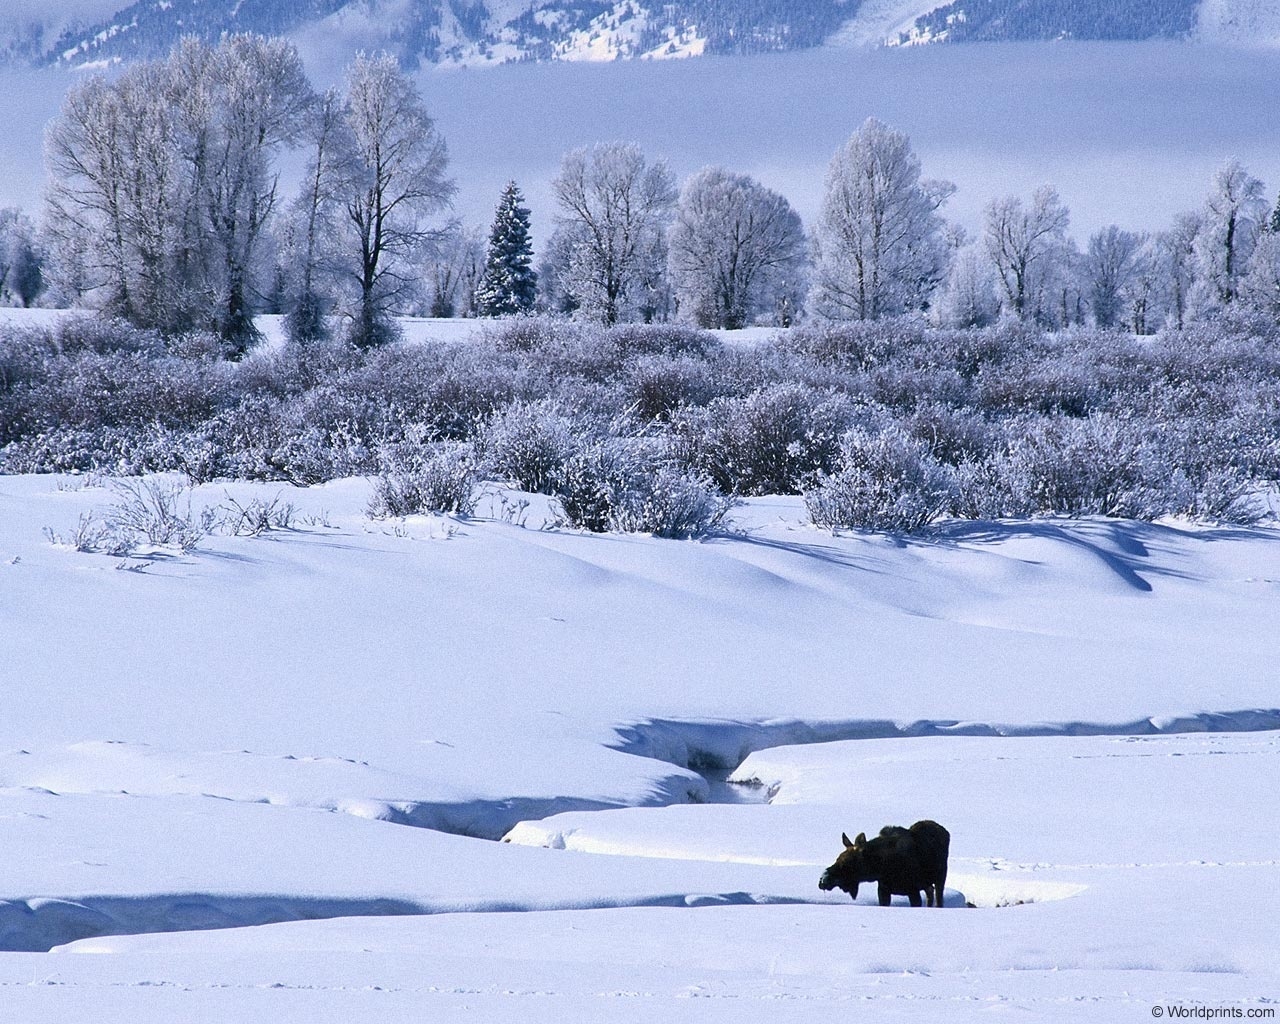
156, 510
1077, 422
884, 481
528, 444
670, 502
153, 510
656, 386
1097, 466
594, 479
765, 442
631, 487
252, 518
443, 477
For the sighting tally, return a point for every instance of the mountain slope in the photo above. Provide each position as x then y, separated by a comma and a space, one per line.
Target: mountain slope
476, 31
1004, 20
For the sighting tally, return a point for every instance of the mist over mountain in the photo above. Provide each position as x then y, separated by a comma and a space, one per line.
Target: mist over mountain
479, 32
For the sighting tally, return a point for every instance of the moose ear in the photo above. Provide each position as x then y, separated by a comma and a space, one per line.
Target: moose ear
845, 839
861, 840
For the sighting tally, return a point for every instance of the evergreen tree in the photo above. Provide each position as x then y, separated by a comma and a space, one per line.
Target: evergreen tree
509, 284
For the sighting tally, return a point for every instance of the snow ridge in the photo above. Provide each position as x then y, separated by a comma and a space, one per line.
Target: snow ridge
720, 746
38, 925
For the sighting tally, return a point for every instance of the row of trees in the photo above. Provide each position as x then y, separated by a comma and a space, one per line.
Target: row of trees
164, 203
165, 208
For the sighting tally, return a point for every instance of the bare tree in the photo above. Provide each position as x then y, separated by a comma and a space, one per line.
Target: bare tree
880, 241
615, 207
733, 240
1026, 245
394, 179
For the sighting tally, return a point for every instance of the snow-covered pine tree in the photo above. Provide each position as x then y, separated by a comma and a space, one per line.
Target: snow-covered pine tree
509, 284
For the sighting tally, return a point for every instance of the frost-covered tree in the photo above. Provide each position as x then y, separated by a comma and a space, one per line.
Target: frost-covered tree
1109, 265
880, 245
392, 180
968, 296
162, 180
1231, 221
1260, 284
509, 284
452, 275
1146, 290
1027, 245
1176, 248
614, 211
239, 105
21, 261
117, 195
734, 246
1273, 222
308, 250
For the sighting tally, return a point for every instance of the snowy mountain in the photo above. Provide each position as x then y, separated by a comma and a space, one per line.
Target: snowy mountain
1007, 20
477, 32
474, 31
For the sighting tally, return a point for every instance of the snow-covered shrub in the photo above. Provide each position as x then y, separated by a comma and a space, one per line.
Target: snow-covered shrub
670, 502
252, 518
595, 477
766, 442
103, 335
1096, 466
884, 481
630, 486
1055, 384
155, 510
986, 489
856, 345
952, 434
441, 477
661, 339
655, 386
1224, 495
528, 444
527, 333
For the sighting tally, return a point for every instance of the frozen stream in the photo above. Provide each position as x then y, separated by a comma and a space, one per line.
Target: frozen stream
764, 826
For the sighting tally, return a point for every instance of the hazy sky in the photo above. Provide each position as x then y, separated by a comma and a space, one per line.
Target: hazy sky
1130, 133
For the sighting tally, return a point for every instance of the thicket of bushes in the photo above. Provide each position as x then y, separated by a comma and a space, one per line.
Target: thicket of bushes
886, 425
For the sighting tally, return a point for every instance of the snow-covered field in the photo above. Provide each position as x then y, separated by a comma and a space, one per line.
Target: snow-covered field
237, 740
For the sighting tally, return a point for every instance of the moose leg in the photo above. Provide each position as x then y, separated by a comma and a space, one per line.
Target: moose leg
886, 897
914, 897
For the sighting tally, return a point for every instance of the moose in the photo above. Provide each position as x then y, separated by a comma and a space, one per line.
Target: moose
902, 861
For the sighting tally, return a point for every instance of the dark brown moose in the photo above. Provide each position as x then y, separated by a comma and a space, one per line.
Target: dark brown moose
902, 861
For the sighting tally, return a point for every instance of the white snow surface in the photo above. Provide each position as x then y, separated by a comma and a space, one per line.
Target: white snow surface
1239, 22
209, 766
880, 22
